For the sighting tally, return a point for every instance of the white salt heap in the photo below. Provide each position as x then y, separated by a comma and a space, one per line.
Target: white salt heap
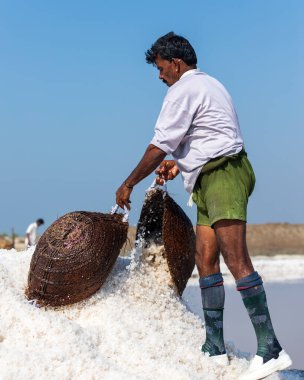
134, 327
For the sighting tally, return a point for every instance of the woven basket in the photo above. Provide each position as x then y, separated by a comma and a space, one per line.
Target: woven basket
150, 224
163, 222
74, 256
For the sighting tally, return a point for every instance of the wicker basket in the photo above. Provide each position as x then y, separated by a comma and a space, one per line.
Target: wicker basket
74, 256
163, 222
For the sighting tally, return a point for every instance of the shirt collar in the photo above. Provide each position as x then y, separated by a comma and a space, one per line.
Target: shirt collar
192, 71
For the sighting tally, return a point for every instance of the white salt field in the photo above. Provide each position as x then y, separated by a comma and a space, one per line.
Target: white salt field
134, 327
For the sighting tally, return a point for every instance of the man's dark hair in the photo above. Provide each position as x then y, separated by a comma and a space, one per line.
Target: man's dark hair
172, 46
40, 221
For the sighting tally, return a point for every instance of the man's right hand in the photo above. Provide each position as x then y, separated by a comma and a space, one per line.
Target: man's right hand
167, 170
123, 196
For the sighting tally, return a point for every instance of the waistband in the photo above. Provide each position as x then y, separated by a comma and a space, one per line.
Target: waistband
219, 161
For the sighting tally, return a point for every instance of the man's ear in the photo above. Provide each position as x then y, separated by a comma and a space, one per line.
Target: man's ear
177, 64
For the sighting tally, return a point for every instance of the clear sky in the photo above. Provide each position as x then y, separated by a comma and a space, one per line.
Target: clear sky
78, 102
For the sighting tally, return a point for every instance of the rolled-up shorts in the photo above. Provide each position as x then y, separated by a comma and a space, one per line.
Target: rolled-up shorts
223, 191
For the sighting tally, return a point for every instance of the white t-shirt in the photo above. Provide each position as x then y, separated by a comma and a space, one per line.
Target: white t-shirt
197, 123
32, 231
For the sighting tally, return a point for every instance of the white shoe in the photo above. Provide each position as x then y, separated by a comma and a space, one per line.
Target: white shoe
221, 360
259, 370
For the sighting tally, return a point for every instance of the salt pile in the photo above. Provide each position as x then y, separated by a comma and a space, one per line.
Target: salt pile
134, 327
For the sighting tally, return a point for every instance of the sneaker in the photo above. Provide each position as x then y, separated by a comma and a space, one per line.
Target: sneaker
259, 370
221, 360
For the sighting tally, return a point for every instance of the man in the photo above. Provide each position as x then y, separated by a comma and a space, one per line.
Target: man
31, 232
198, 125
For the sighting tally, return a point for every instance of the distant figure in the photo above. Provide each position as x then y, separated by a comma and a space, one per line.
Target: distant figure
31, 232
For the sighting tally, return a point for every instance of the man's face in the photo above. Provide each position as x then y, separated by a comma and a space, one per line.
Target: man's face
168, 72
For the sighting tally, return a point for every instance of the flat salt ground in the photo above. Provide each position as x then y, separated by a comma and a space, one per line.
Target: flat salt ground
134, 327
272, 269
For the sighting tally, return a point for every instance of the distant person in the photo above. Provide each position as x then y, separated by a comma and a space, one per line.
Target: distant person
31, 232
199, 126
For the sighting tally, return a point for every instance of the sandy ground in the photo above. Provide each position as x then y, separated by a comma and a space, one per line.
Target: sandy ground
275, 239
265, 239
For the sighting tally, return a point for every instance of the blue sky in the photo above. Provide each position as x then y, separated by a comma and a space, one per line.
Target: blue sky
78, 103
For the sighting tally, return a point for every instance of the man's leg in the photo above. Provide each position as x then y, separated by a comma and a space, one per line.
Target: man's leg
207, 251
212, 290
231, 237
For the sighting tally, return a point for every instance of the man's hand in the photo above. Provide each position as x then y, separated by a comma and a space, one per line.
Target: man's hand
123, 196
167, 170
151, 159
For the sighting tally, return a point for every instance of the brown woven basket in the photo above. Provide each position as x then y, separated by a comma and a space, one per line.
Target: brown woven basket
163, 222
150, 224
74, 256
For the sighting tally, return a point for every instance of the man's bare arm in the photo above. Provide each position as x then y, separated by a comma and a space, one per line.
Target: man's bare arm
151, 159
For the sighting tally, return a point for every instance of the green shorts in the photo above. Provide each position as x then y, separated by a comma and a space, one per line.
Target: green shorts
223, 191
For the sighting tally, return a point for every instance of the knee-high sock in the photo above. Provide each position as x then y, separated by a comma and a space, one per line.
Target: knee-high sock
213, 299
254, 298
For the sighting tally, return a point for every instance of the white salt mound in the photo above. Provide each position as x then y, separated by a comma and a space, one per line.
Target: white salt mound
134, 327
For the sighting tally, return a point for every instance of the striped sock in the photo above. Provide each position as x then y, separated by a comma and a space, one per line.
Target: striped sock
254, 298
213, 299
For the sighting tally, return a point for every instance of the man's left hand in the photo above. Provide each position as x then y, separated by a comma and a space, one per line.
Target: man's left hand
123, 196
167, 170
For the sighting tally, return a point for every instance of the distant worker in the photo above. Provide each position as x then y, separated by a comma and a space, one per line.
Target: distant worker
31, 232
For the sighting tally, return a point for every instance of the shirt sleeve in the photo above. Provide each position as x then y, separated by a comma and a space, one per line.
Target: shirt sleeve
171, 126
